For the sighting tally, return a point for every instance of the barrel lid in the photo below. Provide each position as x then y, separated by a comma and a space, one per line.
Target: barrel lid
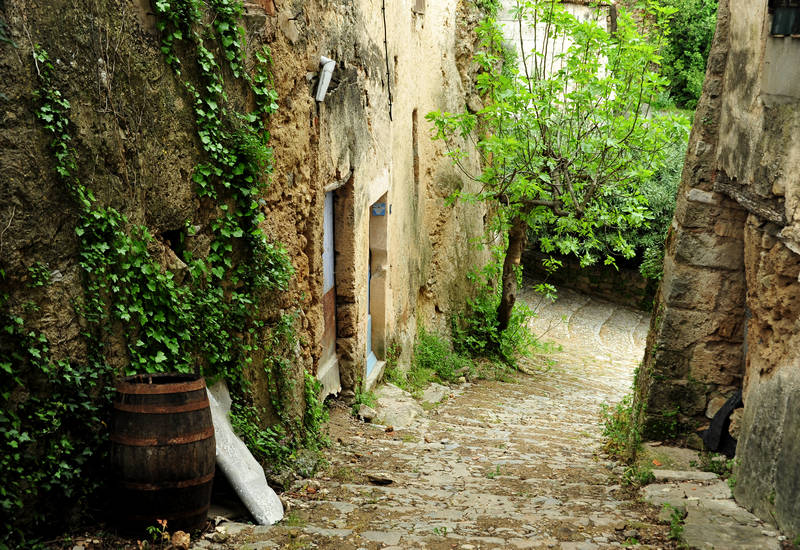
170, 382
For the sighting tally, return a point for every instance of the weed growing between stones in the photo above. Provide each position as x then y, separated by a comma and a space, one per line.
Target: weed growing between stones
623, 441
434, 361
636, 475
714, 462
362, 398
622, 436
676, 517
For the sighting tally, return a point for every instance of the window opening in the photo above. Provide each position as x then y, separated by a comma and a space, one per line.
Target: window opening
785, 18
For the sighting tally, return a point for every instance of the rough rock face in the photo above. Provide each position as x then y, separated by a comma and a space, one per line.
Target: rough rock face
728, 307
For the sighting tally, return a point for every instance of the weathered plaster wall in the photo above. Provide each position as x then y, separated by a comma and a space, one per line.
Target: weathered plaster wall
728, 308
135, 138
533, 37
419, 251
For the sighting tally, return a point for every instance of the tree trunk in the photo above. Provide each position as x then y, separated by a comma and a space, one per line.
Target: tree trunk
517, 239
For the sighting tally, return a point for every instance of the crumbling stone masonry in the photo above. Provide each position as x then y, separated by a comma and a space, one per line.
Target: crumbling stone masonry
727, 313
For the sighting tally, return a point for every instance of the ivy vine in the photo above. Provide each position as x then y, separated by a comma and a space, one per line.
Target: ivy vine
52, 412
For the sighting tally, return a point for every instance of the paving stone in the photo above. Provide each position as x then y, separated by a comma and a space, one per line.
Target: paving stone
683, 475
260, 545
341, 533
434, 393
232, 528
705, 527
367, 413
396, 407
384, 537
677, 493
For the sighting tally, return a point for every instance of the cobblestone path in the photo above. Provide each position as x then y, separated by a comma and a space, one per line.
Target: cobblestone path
512, 464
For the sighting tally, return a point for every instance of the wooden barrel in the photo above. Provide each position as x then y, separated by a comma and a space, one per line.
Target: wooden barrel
162, 451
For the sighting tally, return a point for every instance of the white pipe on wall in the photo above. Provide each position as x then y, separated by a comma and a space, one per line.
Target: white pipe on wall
325, 76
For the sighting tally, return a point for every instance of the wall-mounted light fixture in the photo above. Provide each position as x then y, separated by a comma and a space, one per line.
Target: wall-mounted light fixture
324, 76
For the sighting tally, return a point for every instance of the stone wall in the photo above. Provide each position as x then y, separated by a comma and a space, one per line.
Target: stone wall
621, 285
727, 310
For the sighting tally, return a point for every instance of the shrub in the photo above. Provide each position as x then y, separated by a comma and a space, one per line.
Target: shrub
686, 52
476, 330
622, 436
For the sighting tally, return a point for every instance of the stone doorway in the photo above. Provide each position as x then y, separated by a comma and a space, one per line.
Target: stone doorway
328, 372
377, 271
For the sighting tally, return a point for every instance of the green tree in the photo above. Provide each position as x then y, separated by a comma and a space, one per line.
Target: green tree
566, 135
691, 29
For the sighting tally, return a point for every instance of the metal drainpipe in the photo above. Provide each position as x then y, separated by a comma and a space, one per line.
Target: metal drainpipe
386, 51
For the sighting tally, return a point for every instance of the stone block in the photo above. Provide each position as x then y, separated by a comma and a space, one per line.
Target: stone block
690, 287
730, 326
731, 293
669, 397
722, 524
680, 328
735, 427
768, 472
694, 214
709, 250
683, 475
787, 466
729, 228
714, 405
670, 364
705, 197
717, 363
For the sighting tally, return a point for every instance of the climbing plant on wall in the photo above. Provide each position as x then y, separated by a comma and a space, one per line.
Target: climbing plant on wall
52, 430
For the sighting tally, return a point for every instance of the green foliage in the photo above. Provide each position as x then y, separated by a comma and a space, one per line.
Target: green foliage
158, 533
567, 143
684, 56
716, 463
363, 398
51, 429
660, 191
664, 425
676, 518
623, 439
277, 446
476, 331
490, 7
637, 475
434, 360
39, 274
434, 354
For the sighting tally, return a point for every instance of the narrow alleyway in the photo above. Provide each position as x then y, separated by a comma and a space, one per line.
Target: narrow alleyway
513, 464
